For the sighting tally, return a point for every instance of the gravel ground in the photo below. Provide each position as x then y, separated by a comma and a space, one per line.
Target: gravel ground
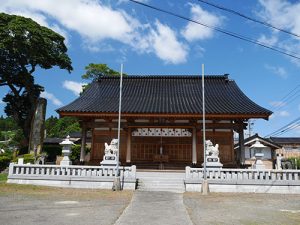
217, 208
20, 204
26, 204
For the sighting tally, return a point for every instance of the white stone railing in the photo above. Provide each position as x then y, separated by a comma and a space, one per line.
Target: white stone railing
52, 171
246, 176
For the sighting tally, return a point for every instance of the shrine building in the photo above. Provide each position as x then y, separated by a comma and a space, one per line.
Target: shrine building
161, 120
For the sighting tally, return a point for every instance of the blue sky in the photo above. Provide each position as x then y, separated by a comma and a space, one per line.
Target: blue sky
150, 42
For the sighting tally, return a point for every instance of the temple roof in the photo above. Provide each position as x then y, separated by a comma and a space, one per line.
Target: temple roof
166, 95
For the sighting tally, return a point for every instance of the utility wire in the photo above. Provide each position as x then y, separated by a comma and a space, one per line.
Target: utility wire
248, 18
229, 33
282, 129
286, 130
288, 98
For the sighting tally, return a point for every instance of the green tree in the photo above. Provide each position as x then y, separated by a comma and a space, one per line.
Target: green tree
24, 46
61, 127
7, 124
96, 71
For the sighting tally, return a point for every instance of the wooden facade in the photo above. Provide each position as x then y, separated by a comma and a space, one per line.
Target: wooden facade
173, 151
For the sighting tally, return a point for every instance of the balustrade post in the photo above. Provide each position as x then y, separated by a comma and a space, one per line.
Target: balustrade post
11, 169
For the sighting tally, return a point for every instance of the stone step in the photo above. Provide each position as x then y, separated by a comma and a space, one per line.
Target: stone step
161, 181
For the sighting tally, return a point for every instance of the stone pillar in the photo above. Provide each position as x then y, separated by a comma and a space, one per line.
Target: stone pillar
83, 143
241, 153
128, 150
194, 148
38, 127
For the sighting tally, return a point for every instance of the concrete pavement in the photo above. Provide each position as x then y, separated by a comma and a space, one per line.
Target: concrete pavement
147, 208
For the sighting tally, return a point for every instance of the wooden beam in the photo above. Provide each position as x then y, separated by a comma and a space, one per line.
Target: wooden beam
233, 126
164, 115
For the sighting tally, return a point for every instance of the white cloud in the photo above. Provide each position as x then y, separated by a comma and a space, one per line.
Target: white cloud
285, 15
272, 40
1, 102
278, 70
93, 20
51, 97
199, 51
281, 13
75, 87
36, 16
284, 113
193, 31
277, 103
165, 44
96, 21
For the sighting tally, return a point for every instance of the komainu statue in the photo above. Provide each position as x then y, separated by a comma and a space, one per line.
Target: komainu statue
111, 149
212, 150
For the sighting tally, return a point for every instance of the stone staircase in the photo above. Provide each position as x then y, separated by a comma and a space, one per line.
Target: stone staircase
161, 181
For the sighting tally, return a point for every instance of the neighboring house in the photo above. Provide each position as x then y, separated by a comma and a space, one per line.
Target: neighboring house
290, 146
162, 118
269, 150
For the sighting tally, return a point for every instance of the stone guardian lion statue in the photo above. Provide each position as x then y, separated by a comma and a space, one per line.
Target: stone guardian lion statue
212, 150
111, 149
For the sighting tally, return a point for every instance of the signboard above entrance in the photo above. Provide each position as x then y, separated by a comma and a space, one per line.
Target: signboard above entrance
166, 132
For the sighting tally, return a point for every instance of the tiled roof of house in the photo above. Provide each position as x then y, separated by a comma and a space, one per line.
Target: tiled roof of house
266, 141
165, 94
286, 140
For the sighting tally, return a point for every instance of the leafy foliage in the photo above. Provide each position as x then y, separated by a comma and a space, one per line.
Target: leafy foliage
5, 159
295, 162
75, 155
24, 46
28, 158
7, 124
96, 71
11, 132
61, 127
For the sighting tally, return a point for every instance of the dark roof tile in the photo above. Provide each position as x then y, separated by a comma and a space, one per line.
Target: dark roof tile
165, 94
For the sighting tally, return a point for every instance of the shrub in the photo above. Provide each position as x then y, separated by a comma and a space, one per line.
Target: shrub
52, 151
28, 158
295, 160
75, 156
4, 161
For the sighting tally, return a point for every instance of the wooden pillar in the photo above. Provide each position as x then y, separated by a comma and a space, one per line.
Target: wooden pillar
128, 149
83, 143
241, 152
194, 146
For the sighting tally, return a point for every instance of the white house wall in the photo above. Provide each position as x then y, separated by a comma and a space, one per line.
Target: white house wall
266, 151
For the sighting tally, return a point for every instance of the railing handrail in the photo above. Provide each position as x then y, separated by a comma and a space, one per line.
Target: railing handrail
65, 166
71, 170
244, 170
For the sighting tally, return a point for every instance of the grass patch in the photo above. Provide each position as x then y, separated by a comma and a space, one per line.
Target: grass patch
3, 177
64, 193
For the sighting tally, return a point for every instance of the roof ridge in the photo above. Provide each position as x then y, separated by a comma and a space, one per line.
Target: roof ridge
173, 76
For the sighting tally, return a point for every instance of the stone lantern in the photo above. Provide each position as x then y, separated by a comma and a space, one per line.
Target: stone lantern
258, 156
66, 151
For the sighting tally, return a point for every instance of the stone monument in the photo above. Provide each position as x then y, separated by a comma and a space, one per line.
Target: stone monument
212, 155
66, 151
38, 127
110, 154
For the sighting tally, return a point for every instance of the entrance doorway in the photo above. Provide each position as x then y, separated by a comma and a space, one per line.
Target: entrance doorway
161, 152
